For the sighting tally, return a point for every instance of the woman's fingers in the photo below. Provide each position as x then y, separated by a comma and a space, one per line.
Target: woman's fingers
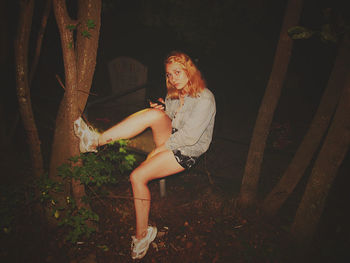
156, 105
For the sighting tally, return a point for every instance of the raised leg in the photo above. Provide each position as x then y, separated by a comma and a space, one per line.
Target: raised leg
136, 123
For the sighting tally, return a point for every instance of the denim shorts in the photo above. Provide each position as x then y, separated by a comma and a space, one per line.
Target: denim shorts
185, 161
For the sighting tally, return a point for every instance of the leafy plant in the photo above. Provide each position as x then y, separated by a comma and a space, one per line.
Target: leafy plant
300, 32
90, 25
47, 186
330, 31
77, 221
98, 169
326, 33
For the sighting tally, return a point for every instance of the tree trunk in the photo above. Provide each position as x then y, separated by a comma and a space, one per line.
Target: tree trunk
331, 156
79, 64
312, 139
257, 146
23, 92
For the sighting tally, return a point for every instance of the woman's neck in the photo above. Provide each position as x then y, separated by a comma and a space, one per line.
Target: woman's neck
182, 99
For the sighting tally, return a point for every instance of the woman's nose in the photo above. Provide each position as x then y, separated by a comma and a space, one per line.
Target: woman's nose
173, 78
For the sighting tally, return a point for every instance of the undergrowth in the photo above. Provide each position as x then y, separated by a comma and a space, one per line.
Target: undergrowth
105, 167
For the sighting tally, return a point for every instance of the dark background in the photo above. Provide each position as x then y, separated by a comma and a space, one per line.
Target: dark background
233, 43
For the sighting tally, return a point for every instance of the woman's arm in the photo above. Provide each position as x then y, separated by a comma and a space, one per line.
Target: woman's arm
195, 125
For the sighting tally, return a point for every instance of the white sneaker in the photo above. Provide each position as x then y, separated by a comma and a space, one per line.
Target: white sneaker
139, 247
87, 135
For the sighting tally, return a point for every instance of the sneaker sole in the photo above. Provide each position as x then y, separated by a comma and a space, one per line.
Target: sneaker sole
84, 133
151, 240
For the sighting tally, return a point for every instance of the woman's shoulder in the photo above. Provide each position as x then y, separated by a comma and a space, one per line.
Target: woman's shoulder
207, 94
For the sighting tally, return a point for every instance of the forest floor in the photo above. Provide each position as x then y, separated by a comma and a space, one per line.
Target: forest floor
197, 221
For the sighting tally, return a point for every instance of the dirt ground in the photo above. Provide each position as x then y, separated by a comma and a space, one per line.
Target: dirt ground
197, 221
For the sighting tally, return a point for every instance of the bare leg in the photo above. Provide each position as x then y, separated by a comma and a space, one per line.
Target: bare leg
136, 123
159, 165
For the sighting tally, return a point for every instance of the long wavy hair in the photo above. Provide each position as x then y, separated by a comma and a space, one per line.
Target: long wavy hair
196, 83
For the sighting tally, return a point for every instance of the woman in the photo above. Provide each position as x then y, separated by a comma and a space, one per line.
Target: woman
182, 131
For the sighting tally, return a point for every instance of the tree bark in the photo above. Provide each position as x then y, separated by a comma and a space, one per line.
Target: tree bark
312, 139
251, 174
79, 65
23, 92
87, 48
331, 156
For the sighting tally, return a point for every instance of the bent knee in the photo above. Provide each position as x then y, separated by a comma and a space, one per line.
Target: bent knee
136, 177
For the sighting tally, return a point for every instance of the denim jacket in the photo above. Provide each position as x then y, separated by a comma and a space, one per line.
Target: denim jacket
194, 123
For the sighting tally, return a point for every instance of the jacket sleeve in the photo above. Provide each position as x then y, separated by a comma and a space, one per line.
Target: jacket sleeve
195, 125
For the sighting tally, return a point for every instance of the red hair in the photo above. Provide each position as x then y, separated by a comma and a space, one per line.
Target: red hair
196, 83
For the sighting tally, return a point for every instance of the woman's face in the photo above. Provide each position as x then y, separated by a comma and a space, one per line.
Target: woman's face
176, 75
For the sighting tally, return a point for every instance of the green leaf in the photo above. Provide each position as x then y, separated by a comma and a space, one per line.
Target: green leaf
74, 159
300, 32
123, 142
91, 24
71, 27
86, 34
327, 34
122, 150
103, 247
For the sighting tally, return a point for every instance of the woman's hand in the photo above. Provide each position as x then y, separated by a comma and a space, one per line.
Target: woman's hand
160, 104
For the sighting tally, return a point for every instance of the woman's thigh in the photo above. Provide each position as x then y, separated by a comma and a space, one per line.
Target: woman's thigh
136, 123
161, 128
160, 165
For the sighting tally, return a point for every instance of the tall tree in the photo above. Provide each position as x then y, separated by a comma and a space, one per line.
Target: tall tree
331, 155
252, 169
22, 83
313, 137
79, 42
